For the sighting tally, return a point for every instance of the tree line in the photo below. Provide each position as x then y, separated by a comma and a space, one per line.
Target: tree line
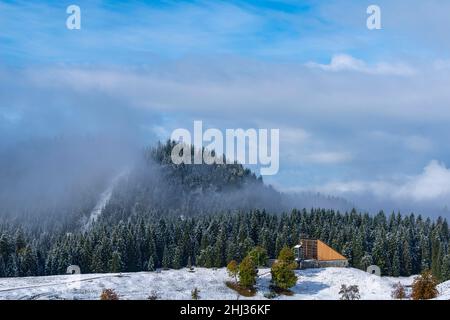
399, 245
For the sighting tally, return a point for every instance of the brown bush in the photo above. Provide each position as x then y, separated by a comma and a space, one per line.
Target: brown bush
399, 292
424, 286
109, 294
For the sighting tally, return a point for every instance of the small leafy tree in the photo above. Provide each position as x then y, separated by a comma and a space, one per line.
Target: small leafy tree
350, 292
233, 269
109, 294
425, 286
247, 273
399, 292
283, 275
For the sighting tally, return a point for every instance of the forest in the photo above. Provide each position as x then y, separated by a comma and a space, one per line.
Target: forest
400, 245
174, 216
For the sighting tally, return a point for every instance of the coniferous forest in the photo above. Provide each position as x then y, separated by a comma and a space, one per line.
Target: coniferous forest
163, 215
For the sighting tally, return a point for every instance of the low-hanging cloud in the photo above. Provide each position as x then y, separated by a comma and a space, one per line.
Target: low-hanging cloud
429, 189
344, 62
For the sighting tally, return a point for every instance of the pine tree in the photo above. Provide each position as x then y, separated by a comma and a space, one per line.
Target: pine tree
436, 257
247, 273
151, 264
219, 248
406, 265
366, 261
259, 256
20, 240
379, 252
4, 246
357, 248
425, 251
283, 275
115, 263
396, 264
166, 259
445, 269
347, 251
12, 268
177, 258
2, 267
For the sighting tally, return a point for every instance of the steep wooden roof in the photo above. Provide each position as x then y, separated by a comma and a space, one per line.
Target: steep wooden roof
318, 250
325, 253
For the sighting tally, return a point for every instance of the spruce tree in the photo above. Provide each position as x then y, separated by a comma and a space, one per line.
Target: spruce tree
396, 264
407, 259
445, 269
283, 275
166, 260
151, 264
2, 267
115, 263
247, 273
436, 257
177, 258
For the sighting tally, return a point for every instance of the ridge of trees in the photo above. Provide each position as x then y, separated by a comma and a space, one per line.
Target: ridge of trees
399, 245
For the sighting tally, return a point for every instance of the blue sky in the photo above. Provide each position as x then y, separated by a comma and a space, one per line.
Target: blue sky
362, 113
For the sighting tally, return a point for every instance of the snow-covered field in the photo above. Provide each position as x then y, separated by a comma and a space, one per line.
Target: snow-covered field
177, 284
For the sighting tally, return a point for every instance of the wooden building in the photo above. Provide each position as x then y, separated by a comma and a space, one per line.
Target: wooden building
313, 253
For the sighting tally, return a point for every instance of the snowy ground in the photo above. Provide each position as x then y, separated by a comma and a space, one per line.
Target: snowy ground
177, 284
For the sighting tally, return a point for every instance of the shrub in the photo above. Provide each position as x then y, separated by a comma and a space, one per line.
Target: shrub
270, 295
195, 294
349, 293
153, 295
399, 292
109, 294
424, 286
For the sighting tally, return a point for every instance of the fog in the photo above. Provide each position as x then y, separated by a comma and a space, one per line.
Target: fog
44, 179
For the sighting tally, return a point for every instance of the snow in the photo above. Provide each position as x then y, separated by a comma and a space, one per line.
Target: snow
313, 284
444, 291
103, 200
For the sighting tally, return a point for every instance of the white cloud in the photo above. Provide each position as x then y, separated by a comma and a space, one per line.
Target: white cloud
433, 184
293, 136
328, 157
344, 62
413, 142
442, 64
